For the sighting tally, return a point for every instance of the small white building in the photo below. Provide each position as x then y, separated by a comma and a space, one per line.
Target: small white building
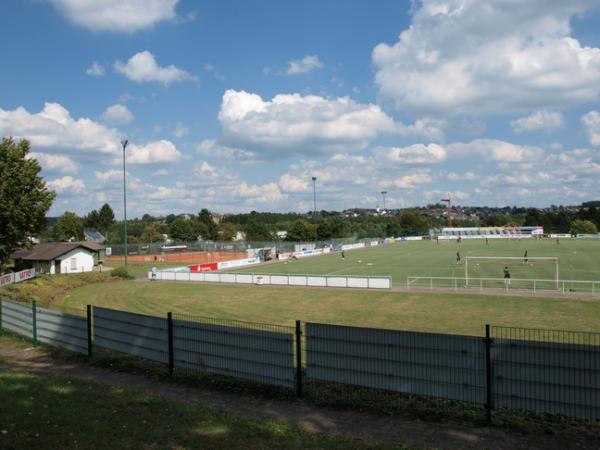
58, 257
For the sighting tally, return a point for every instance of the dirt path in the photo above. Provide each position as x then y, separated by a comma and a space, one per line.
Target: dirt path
369, 427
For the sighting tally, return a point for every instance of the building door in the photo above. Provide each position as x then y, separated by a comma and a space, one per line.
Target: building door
57, 266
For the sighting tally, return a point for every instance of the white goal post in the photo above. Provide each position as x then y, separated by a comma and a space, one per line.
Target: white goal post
500, 259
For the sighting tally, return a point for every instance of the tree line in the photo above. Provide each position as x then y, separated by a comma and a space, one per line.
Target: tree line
25, 200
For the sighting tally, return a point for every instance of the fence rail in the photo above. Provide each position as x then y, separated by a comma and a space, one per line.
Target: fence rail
338, 281
562, 286
542, 371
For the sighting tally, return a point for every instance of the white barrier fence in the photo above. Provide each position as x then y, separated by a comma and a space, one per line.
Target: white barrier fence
16, 277
535, 285
338, 281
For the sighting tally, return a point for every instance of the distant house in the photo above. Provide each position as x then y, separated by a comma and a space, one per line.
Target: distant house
93, 236
58, 257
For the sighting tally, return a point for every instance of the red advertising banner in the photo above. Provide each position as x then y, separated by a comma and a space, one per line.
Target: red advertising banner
209, 267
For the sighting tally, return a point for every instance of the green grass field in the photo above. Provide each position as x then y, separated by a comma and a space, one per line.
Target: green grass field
579, 259
433, 311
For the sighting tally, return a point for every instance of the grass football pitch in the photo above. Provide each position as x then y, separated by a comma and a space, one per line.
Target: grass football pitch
417, 311
579, 259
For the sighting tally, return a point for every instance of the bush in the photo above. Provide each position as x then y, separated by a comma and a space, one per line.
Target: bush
121, 272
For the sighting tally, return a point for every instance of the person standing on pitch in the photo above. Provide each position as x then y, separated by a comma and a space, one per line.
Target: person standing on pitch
506, 276
154, 270
525, 257
457, 257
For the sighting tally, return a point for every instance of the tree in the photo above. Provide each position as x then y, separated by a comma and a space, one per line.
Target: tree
300, 230
24, 197
182, 230
92, 220
227, 231
151, 234
498, 220
68, 228
211, 232
579, 226
106, 217
257, 231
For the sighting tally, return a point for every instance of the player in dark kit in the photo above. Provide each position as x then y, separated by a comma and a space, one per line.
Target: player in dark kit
525, 257
506, 276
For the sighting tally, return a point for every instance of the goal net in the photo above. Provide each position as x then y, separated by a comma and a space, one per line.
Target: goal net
483, 269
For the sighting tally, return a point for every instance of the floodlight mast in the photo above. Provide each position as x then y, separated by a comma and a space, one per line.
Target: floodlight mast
125, 143
384, 193
449, 209
314, 180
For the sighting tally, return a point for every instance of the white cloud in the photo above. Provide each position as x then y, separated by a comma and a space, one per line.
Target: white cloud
591, 121
153, 152
500, 151
96, 70
411, 181
180, 130
467, 176
117, 115
538, 120
212, 175
65, 184
292, 183
53, 127
169, 193
210, 147
112, 174
469, 56
413, 154
263, 193
142, 67
58, 163
295, 123
304, 65
125, 16
160, 173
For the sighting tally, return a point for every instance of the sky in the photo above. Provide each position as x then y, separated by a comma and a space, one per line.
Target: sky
235, 105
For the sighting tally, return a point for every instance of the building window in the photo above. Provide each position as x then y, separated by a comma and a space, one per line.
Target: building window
73, 262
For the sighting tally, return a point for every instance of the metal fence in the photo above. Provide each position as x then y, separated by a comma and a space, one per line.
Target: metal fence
229, 247
257, 352
339, 281
135, 334
426, 364
540, 371
546, 371
528, 284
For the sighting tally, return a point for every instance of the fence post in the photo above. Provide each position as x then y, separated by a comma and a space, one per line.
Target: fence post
34, 323
170, 331
299, 385
488, 374
2, 329
89, 329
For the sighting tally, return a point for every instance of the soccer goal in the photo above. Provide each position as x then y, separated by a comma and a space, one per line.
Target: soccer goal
544, 269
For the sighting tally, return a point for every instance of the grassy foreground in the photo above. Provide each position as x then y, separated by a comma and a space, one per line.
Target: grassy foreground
46, 411
446, 313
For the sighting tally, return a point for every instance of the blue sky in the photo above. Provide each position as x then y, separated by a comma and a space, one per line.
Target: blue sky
235, 105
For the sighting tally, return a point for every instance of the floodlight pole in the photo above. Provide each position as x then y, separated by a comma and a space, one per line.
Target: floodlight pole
124, 143
383, 193
314, 180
